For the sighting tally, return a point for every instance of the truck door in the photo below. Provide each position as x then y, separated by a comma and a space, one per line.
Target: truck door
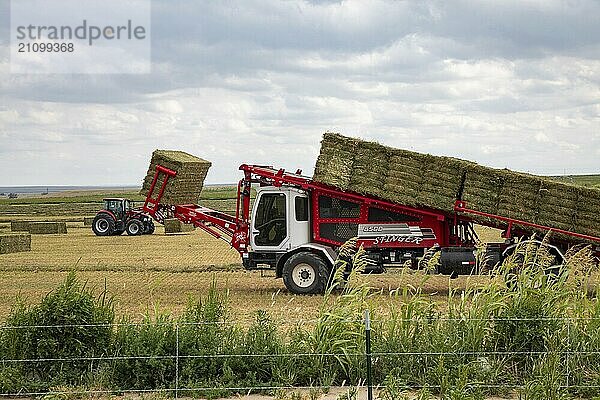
269, 225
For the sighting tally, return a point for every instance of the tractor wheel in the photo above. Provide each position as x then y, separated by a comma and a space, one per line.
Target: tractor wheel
149, 229
103, 225
118, 232
306, 273
134, 227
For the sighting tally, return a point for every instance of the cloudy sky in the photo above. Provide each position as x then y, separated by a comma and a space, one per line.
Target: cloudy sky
505, 83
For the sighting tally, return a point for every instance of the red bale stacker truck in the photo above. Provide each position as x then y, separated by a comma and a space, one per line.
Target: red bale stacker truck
297, 225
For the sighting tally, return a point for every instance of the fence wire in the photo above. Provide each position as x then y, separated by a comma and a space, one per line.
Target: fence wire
177, 389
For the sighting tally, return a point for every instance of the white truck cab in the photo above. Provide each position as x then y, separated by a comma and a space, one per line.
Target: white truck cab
280, 219
280, 239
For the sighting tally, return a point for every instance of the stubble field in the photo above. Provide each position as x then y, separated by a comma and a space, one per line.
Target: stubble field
162, 272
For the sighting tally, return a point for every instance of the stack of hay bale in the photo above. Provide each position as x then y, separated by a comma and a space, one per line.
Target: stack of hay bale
15, 242
423, 180
186, 186
46, 228
173, 225
396, 175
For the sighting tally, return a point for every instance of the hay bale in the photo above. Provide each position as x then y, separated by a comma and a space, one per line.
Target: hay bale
405, 176
482, 188
47, 228
442, 182
173, 225
334, 164
19, 226
87, 221
186, 186
519, 196
370, 168
14, 243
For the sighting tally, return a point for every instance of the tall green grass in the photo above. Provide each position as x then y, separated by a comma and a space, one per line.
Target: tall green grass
538, 336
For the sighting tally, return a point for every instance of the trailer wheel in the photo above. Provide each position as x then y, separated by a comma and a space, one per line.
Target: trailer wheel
553, 273
305, 273
103, 225
134, 228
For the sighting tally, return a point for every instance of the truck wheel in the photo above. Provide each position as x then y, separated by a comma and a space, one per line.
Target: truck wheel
305, 273
134, 228
103, 225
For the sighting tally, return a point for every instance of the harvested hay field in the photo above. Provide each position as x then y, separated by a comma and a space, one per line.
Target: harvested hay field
85, 251
88, 221
148, 270
47, 228
424, 180
15, 243
186, 186
173, 225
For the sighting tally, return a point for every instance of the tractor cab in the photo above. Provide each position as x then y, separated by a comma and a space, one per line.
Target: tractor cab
119, 207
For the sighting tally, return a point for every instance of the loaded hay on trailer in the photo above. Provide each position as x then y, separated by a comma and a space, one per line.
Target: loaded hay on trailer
15, 242
423, 180
186, 186
47, 228
173, 225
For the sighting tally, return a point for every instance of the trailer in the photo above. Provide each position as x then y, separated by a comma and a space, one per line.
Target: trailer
297, 225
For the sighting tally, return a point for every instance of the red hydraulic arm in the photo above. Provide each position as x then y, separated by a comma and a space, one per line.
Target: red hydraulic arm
152, 204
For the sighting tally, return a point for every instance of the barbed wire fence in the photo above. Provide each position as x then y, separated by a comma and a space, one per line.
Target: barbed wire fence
366, 381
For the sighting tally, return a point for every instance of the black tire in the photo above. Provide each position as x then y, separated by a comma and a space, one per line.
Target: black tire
118, 232
134, 227
553, 273
306, 273
149, 228
103, 225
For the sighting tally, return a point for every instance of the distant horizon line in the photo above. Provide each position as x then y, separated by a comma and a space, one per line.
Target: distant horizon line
98, 186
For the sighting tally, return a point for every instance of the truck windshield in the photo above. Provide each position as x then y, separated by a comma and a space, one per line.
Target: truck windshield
270, 220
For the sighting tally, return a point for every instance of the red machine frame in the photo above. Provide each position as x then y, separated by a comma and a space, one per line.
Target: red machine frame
221, 225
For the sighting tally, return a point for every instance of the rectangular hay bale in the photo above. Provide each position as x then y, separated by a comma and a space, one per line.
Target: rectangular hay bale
47, 228
334, 164
173, 225
87, 221
19, 226
15, 242
186, 186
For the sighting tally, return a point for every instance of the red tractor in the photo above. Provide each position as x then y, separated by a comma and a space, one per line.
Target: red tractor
120, 215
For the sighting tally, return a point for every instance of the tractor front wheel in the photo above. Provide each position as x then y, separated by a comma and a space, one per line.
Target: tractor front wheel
306, 273
134, 227
103, 225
